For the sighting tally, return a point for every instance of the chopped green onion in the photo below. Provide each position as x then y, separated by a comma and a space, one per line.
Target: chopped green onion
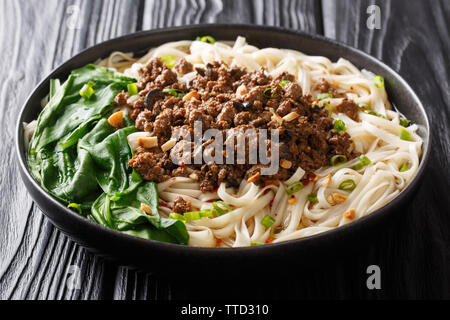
373, 113
267, 221
177, 216
347, 185
269, 93
338, 159
207, 39
87, 91
404, 167
194, 215
75, 206
312, 197
132, 89
256, 243
284, 82
219, 210
363, 161
174, 92
207, 213
169, 61
339, 125
405, 122
404, 134
379, 81
294, 188
324, 96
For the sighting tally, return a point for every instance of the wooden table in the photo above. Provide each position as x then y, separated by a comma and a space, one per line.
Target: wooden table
413, 253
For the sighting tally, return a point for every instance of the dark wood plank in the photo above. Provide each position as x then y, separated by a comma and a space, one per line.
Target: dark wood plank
414, 41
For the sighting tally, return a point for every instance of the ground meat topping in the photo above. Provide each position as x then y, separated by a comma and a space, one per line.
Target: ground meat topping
181, 206
349, 108
224, 98
183, 67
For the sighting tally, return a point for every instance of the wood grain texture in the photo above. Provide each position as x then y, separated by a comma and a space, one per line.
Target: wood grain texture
413, 253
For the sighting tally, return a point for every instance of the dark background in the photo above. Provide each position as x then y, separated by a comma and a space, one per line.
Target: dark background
413, 253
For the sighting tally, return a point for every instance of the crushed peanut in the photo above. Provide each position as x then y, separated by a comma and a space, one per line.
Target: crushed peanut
286, 164
191, 95
148, 142
338, 198
168, 145
350, 214
146, 208
292, 200
291, 116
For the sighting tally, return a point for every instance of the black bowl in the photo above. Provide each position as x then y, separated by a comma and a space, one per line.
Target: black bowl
160, 256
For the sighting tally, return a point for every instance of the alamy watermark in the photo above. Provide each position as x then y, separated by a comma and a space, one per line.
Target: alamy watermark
73, 281
74, 21
232, 146
374, 279
374, 19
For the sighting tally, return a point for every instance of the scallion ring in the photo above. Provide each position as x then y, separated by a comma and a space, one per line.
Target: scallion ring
75, 206
363, 161
284, 82
404, 134
269, 93
338, 160
347, 185
174, 92
339, 125
405, 122
87, 91
132, 89
267, 221
206, 39
169, 61
312, 198
323, 96
379, 81
404, 167
294, 188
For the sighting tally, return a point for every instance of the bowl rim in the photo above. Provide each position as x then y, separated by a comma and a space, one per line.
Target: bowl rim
323, 236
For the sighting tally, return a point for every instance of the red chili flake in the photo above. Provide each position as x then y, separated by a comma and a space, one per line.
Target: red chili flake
219, 241
351, 88
309, 178
275, 214
181, 164
270, 240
